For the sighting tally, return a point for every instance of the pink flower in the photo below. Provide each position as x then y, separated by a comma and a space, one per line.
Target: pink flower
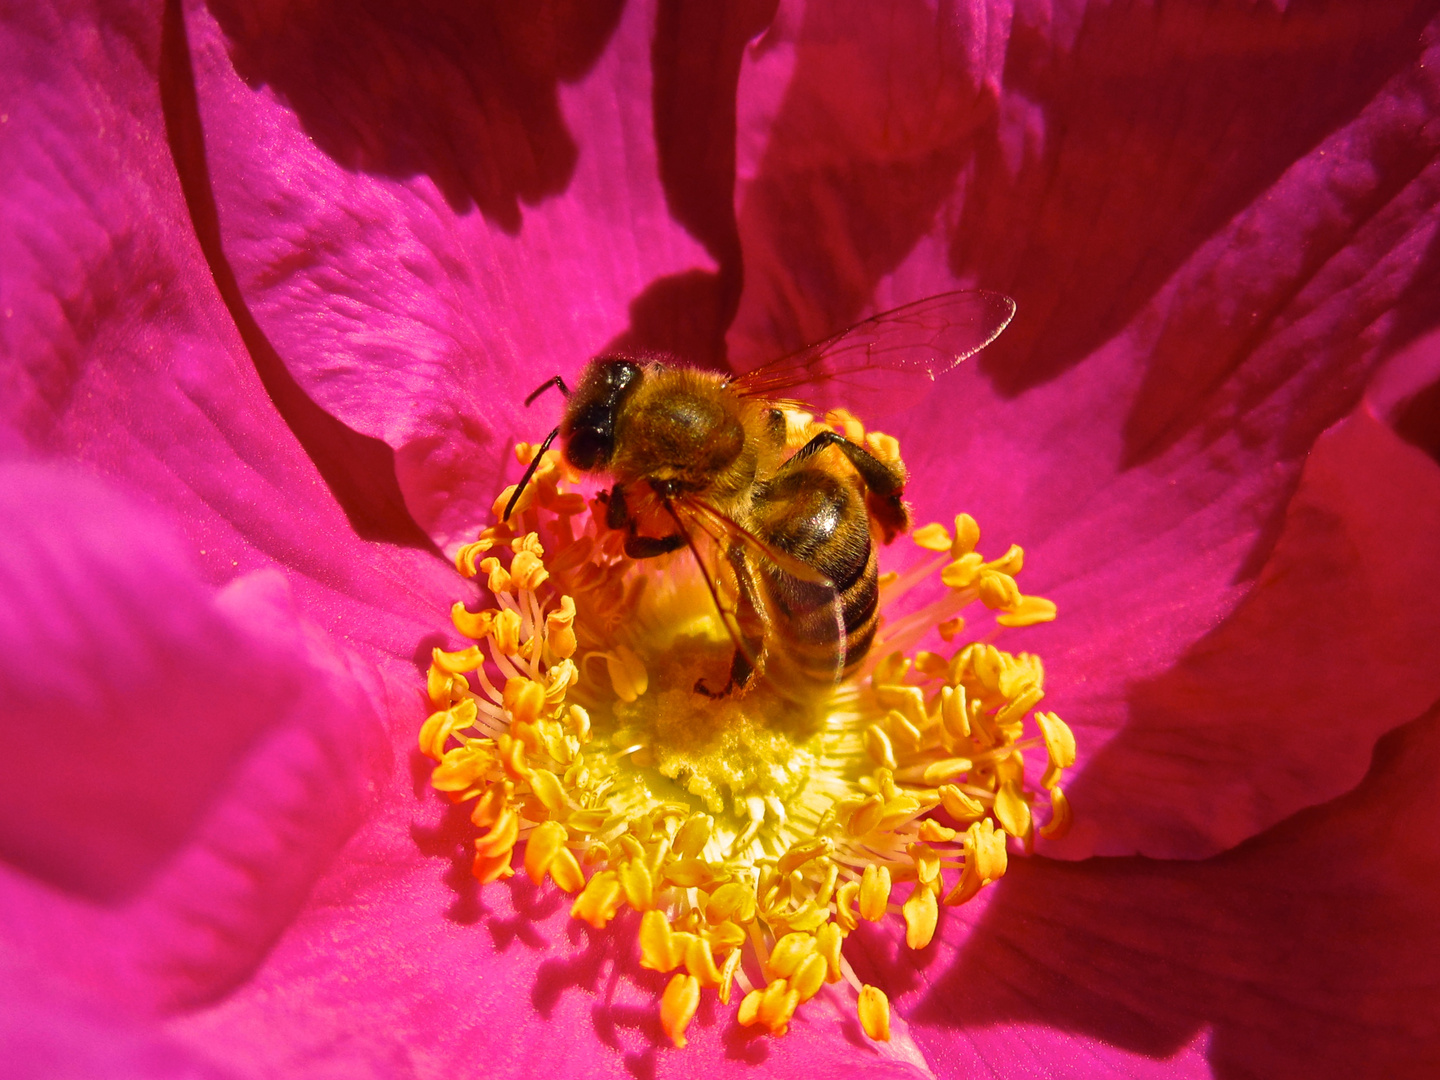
251, 385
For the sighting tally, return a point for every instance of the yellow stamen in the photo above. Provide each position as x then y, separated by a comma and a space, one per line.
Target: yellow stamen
1059, 744
1059, 816
1011, 809
921, 914
600, 900
542, 847
1030, 610
627, 673
788, 954
874, 892
932, 537
472, 624
757, 824
677, 1007
657, 946
874, 1009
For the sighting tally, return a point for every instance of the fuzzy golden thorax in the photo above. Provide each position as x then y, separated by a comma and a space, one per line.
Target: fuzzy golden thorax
683, 432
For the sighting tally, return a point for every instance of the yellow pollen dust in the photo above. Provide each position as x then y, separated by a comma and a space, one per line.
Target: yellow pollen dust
751, 832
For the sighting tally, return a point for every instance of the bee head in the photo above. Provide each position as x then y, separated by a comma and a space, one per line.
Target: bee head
589, 424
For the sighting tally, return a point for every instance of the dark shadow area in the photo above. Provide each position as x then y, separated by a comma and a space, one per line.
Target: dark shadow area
748, 1045
879, 116
1418, 310
683, 315
1307, 951
452, 840
1417, 420
358, 470
1159, 126
1131, 139
600, 962
1335, 641
533, 905
461, 91
695, 58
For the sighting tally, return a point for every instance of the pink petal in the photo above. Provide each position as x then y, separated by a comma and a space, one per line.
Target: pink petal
1207, 271
1311, 950
116, 658
402, 957
399, 309
1277, 706
126, 358
48, 1033
179, 767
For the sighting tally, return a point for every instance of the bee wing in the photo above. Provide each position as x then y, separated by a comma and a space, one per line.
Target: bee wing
888, 361
773, 590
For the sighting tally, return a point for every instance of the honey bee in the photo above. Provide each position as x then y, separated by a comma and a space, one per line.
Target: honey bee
690, 453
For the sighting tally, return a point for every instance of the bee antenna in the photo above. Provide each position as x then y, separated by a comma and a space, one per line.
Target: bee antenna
534, 462
556, 381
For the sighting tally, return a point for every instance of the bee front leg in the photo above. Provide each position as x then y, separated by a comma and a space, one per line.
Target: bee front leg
648, 547
617, 516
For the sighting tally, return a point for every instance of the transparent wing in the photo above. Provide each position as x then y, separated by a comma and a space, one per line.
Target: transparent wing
890, 360
785, 616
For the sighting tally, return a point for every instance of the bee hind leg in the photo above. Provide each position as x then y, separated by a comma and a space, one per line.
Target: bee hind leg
750, 640
742, 670
884, 483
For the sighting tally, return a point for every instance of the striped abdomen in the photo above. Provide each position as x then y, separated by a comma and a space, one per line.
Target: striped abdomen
820, 519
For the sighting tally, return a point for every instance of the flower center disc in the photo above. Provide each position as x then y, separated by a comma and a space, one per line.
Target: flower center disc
751, 829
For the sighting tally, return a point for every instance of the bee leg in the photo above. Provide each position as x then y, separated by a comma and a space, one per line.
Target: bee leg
885, 484
617, 516
648, 547
742, 670
750, 643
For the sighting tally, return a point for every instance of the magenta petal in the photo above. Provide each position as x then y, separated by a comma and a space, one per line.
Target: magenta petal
47, 1033
113, 653
1311, 950
190, 760
402, 311
120, 353
1276, 708
1215, 231
402, 956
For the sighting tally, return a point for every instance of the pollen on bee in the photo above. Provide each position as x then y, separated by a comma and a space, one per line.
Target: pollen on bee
750, 830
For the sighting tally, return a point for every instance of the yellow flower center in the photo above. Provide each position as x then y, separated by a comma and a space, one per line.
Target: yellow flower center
750, 831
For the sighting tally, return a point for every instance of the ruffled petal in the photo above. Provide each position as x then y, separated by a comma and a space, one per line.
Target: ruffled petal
1310, 950
124, 355
1185, 332
1276, 708
179, 765
347, 188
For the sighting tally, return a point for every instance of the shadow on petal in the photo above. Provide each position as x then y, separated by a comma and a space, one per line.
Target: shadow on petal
464, 93
1288, 948
1278, 706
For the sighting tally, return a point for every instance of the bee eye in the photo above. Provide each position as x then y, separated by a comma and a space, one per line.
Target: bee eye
588, 448
621, 373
